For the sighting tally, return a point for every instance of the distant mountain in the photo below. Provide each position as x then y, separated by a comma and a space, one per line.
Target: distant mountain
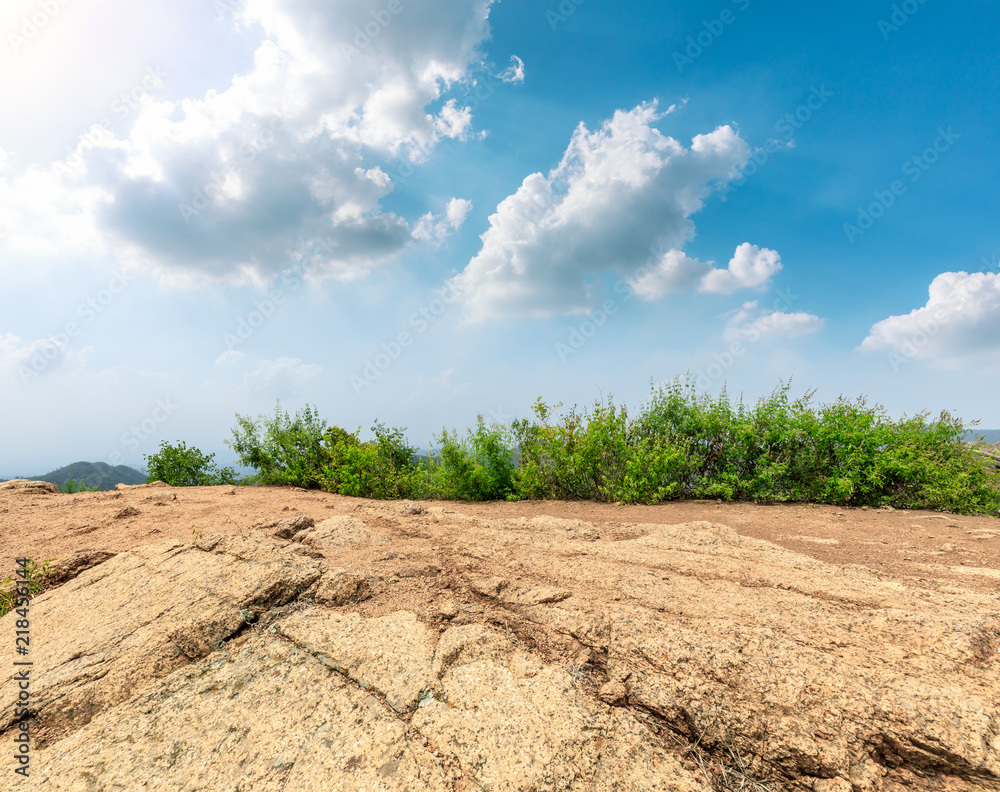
991, 435
94, 474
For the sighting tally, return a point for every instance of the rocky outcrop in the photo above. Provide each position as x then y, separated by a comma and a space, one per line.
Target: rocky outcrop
538, 656
125, 624
27, 487
73, 565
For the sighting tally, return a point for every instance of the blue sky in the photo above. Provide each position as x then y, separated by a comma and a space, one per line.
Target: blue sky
420, 211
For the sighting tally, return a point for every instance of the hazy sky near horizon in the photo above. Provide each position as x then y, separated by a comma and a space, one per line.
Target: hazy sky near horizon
420, 210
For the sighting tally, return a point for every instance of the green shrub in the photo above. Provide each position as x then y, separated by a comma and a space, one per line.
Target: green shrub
281, 450
480, 467
375, 469
843, 453
180, 466
581, 456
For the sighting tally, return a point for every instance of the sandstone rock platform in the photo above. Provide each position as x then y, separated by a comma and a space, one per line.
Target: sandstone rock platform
413, 647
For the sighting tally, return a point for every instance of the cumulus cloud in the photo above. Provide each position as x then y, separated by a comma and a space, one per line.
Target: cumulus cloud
751, 267
249, 176
513, 73
959, 323
674, 272
618, 192
436, 228
749, 323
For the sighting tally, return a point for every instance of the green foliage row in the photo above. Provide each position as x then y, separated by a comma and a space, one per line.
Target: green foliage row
681, 444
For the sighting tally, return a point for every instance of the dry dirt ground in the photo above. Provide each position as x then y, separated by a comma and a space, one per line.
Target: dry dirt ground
271, 638
924, 548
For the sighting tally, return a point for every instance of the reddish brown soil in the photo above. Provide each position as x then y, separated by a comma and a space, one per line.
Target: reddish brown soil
906, 545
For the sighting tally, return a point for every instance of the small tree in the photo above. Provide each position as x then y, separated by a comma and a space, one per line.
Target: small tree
282, 450
180, 466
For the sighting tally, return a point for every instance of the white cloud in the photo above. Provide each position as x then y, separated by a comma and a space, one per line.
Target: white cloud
749, 323
436, 228
751, 267
30, 359
229, 358
959, 323
674, 272
278, 375
44, 217
513, 73
249, 177
618, 193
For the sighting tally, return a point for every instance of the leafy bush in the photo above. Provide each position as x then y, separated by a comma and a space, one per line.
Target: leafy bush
844, 453
579, 457
480, 467
376, 469
180, 466
595, 455
281, 449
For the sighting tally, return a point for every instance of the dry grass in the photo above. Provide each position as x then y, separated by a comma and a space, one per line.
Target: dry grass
731, 773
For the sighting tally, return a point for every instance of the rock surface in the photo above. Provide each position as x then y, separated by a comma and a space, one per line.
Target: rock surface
406, 647
27, 487
123, 625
